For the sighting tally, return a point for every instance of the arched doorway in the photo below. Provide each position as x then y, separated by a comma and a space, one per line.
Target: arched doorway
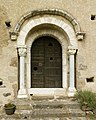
64, 27
46, 63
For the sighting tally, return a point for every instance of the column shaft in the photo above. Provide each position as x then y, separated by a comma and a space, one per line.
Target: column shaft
71, 84
22, 73
72, 89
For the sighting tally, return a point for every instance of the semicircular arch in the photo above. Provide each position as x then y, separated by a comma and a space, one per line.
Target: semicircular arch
56, 12
47, 20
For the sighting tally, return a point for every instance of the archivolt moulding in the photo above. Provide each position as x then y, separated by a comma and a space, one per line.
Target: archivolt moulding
57, 12
62, 13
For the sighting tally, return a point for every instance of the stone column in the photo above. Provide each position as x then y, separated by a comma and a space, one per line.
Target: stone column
29, 67
72, 89
22, 93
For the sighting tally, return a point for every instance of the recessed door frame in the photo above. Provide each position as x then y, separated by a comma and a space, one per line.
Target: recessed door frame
48, 91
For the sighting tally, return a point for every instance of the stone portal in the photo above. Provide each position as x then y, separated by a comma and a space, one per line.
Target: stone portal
60, 29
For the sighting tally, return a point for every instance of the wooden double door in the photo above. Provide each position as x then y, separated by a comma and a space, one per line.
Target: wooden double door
46, 63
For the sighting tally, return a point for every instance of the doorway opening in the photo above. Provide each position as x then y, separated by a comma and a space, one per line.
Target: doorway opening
46, 63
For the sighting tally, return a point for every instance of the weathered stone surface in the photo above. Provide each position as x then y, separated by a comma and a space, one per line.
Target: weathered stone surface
14, 62
82, 67
81, 84
46, 110
0, 51
4, 35
12, 79
15, 89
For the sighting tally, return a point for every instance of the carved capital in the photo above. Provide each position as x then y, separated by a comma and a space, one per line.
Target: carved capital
22, 51
71, 50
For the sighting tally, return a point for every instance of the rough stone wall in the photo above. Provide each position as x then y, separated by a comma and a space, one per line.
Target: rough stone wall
13, 9
8, 60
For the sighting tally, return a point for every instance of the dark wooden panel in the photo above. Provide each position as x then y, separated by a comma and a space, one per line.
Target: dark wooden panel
46, 62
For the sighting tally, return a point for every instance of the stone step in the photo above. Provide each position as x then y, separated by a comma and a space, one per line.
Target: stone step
60, 118
52, 112
45, 108
56, 104
40, 106
29, 117
43, 104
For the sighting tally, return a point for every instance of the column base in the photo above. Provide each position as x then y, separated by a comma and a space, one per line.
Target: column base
22, 93
71, 91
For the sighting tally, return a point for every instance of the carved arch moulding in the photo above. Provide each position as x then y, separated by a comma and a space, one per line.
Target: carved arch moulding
76, 27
